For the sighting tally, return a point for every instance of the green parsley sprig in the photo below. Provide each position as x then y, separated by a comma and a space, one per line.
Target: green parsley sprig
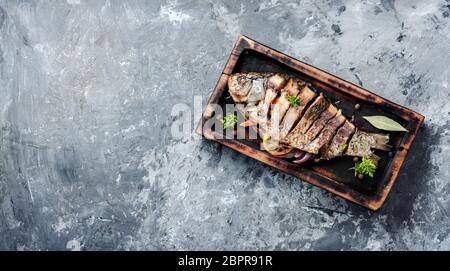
229, 121
293, 100
365, 167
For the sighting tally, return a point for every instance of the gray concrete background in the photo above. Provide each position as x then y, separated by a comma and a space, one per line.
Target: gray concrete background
87, 160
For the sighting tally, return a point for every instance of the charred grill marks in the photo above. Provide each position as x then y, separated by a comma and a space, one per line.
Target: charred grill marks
296, 137
336, 147
326, 134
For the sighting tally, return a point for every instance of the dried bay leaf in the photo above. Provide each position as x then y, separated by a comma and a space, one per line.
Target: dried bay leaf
385, 123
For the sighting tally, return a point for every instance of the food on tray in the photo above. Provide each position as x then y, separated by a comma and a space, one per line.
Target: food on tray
296, 122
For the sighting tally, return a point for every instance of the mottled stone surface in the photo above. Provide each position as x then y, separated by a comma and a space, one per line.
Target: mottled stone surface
87, 160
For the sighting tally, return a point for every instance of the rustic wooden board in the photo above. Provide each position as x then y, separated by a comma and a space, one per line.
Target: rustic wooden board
333, 175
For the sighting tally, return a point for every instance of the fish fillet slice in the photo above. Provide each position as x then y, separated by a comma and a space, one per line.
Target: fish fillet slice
273, 85
326, 134
313, 126
311, 114
295, 112
362, 144
281, 105
320, 123
317, 114
336, 147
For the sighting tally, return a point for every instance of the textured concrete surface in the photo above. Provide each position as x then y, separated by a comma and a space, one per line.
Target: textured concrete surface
87, 160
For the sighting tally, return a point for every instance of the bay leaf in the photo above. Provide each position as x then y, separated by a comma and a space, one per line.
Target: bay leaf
385, 123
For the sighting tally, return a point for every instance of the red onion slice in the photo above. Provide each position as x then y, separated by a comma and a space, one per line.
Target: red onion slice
299, 153
302, 159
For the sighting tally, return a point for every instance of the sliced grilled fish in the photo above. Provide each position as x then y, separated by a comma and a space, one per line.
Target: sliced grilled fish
312, 126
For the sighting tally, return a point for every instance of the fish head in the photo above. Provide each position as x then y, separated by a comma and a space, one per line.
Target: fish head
247, 87
251, 87
239, 86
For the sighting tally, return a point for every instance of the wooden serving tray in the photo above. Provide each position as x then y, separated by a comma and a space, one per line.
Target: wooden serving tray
333, 175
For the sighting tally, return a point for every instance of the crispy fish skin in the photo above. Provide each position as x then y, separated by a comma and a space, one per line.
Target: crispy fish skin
326, 134
311, 114
276, 82
295, 112
301, 141
293, 87
337, 145
320, 123
296, 137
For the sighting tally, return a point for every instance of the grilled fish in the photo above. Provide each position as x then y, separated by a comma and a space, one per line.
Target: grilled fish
311, 127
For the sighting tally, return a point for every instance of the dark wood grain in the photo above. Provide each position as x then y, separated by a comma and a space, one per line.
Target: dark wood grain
334, 176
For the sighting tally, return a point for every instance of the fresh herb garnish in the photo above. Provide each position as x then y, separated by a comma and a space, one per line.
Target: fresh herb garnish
365, 167
293, 100
229, 121
343, 146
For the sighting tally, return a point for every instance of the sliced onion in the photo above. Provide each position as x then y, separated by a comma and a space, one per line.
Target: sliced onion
305, 157
298, 153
